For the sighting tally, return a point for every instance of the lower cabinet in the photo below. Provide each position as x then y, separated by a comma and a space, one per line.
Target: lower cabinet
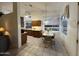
36, 34
23, 38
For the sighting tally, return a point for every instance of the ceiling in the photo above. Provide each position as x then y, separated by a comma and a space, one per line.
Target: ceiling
6, 7
38, 10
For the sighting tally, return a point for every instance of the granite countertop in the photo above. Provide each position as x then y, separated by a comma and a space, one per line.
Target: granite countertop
36, 28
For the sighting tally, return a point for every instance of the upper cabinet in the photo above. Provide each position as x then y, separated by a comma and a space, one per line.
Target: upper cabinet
6, 7
36, 23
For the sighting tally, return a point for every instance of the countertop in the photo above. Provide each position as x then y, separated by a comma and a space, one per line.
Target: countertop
34, 28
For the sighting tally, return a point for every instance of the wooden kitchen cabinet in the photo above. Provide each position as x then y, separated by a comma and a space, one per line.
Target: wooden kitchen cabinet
36, 34
23, 38
36, 23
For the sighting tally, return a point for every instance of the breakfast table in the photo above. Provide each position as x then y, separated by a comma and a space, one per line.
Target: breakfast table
48, 39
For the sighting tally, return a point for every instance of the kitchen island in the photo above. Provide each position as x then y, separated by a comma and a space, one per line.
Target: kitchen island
35, 32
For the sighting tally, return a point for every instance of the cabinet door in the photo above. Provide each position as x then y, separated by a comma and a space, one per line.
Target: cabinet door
24, 39
77, 41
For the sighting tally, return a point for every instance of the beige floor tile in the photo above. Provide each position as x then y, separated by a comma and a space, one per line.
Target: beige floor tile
35, 47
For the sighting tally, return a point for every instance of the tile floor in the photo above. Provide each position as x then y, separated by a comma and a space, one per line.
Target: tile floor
35, 47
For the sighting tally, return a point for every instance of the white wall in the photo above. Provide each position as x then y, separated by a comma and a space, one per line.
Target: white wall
70, 39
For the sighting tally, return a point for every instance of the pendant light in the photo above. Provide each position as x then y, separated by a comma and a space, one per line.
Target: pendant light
45, 11
28, 12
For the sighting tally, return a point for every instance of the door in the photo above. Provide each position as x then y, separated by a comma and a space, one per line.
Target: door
78, 32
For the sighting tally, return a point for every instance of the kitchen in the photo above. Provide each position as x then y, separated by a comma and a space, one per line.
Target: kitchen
38, 23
